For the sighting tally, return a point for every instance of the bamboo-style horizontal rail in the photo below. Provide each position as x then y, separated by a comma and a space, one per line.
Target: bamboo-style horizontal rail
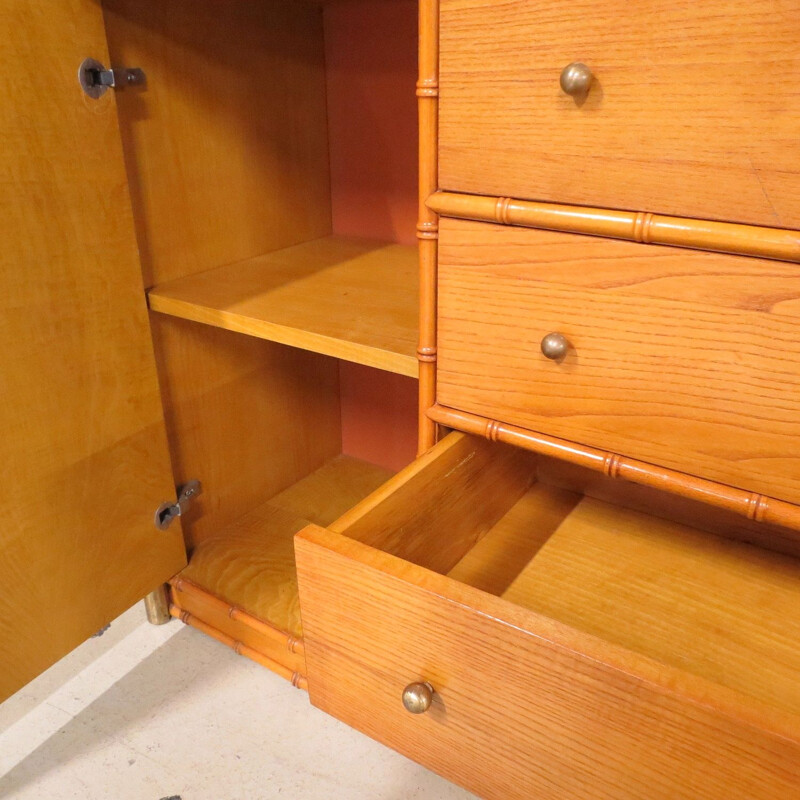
295, 678
285, 639
723, 237
754, 506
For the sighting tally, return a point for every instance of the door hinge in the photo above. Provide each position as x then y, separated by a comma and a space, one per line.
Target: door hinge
167, 511
96, 80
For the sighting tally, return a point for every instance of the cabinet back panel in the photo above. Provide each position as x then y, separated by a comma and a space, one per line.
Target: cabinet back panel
226, 149
371, 63
379, 415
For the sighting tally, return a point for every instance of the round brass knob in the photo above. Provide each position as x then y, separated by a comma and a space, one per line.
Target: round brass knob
576, 78
555, 346
417, 697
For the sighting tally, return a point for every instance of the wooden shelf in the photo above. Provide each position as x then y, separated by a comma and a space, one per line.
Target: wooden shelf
349, 298
250, 564
718, 608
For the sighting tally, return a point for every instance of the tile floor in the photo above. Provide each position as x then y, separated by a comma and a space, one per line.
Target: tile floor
145, 713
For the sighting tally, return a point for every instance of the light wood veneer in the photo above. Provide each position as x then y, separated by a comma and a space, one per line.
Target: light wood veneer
227, 148
720, 609
246, 416
251, 562
84, 455
349, 298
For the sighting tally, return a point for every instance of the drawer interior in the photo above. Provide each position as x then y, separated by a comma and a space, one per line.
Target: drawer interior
700, 600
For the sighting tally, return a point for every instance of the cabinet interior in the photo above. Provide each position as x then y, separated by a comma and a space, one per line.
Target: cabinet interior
665, 578
271, 160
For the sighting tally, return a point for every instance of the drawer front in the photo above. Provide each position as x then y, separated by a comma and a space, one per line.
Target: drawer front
523, 707
678, 358
694, 108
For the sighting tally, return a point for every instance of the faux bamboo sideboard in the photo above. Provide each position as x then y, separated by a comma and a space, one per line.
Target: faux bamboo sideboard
472, 413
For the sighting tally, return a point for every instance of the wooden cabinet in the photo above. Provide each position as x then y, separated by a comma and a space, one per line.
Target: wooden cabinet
590, 584
243, 196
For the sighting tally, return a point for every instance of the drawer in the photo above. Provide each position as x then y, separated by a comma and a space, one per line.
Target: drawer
678, 358
693, 108
575, 648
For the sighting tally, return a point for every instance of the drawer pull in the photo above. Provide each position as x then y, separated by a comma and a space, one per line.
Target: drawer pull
576, 78
555, 346
417, 697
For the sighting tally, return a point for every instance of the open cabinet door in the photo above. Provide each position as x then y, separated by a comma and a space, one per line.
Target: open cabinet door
83, 454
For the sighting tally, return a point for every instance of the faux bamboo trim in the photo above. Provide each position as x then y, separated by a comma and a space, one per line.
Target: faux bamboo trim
428, 221
723, 237
293, 644
295, 678
754, 506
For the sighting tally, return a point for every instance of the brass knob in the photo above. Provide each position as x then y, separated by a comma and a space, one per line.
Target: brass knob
576, 78
555, 346
417, 697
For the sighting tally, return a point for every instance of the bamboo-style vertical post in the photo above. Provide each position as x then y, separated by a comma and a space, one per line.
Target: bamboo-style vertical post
428, 220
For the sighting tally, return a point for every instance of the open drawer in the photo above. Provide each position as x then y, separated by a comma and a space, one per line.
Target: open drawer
576, 648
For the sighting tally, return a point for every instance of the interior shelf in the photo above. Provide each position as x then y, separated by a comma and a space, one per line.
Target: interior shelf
349, 298
681, 596
250, 564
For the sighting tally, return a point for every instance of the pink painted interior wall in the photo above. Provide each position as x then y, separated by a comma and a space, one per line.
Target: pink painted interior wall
371, 66
379, 415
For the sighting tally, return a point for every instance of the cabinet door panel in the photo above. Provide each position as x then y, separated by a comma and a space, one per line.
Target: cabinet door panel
83, 459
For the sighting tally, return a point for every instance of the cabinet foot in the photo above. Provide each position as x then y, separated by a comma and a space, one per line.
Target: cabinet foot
156, 604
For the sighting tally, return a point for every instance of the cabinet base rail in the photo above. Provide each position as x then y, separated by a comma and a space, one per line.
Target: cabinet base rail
279, 651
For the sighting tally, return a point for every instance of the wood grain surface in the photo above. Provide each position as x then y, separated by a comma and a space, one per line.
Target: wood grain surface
349, 298
495, 561
248, 418
524, 706
250, 563
334, 488
657, 502
720, 609
693, 110
680, 359
427, 512
227, 149
84, 454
